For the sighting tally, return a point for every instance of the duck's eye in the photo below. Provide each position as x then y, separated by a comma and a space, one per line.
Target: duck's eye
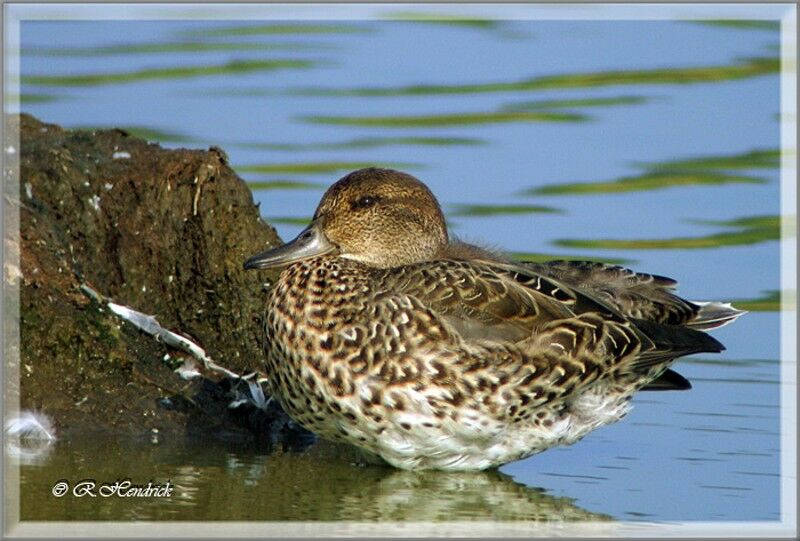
366, 201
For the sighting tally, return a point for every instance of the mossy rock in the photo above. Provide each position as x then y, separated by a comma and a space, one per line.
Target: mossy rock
162, 231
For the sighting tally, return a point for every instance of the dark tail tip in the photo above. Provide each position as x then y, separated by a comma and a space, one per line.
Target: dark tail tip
668, 381
681, 340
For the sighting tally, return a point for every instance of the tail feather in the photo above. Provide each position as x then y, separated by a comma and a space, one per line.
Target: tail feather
668, 381
671, 341
713, 315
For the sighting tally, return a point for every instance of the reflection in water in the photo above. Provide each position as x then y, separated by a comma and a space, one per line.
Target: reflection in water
499, 210
177, 72
749, 230
770, 301
365, 142
164, 48
443, 18
707, 170
751, 67
755, 159
577, 102
446, 496
317, 168
285, 184
651, 180
467, 118
327, 483
272, 29
742, 24
29, 98
28, 437
289, 220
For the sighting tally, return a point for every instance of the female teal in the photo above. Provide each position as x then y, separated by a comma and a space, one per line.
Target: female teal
431, 353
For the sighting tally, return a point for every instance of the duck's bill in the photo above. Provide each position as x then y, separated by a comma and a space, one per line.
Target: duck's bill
310, 243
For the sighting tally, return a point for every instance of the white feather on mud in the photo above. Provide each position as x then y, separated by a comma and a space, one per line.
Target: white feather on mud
190, 369
150, 325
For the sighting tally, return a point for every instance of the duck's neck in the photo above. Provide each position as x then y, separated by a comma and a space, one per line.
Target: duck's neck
323, 283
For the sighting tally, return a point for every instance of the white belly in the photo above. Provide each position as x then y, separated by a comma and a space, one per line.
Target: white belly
476, 442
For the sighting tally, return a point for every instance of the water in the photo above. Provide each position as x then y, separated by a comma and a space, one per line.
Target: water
514, 116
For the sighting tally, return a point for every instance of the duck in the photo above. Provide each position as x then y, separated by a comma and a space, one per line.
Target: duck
425, 352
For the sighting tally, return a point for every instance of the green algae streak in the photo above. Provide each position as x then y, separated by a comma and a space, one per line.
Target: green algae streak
749, 230
178, 72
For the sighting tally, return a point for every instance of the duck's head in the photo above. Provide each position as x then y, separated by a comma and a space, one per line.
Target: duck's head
380, 217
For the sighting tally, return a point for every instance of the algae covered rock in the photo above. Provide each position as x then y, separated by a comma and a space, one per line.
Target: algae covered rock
162, 231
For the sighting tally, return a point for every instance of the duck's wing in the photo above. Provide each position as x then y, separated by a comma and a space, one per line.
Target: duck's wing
503, 303
488, 300
642, 296
637, 295
634, 294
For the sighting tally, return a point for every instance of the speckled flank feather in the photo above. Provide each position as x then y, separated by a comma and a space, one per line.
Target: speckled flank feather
454, 362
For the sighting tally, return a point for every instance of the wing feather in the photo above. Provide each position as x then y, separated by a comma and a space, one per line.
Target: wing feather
569, 335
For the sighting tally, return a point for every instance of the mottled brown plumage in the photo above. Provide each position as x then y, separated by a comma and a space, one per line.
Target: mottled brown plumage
429, 353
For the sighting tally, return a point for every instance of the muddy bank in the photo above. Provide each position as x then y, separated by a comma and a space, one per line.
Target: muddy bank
161, 231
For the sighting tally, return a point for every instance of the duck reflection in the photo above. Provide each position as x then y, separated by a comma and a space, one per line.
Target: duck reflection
450, 496
327, 482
